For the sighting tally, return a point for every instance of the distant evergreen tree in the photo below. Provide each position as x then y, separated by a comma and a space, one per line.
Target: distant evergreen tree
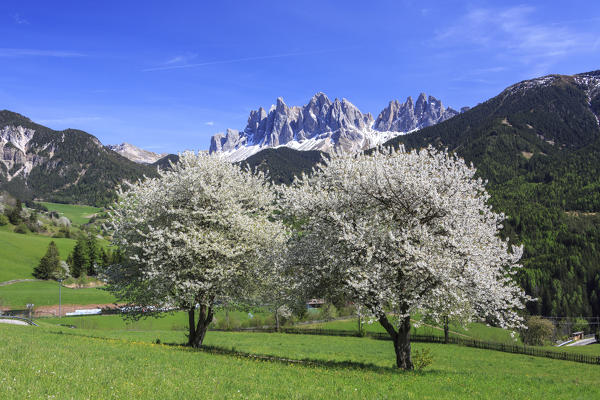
117, 257
81, 258
14, 215
49, 265
104, 257
93, 254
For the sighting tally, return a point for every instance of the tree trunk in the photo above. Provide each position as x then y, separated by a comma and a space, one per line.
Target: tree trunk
401, 340
446, 330
277, 320
191, 326
198, 330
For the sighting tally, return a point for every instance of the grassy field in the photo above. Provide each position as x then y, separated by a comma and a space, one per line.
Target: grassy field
43, 293
116, 326
78, 215
51, 362
19, 254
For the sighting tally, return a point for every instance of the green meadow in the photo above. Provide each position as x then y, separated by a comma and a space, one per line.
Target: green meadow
45, 293
173, 327
77, 214
59, 362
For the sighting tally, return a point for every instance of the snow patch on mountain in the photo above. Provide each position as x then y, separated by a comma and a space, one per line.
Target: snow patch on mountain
326, 144
522, 87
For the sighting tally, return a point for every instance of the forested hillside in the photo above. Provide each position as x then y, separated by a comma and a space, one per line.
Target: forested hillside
69, 166
283, 164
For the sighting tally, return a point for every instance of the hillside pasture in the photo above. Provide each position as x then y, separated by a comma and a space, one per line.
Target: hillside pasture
20, 253
77, 214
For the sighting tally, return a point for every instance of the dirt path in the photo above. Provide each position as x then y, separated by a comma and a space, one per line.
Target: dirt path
17, 281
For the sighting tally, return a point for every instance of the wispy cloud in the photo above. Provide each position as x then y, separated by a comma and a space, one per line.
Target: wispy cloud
13, 53
233, 61
209, 123
181, 59
513, 34
19, 20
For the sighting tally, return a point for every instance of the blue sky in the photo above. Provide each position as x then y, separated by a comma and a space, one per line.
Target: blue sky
167, 75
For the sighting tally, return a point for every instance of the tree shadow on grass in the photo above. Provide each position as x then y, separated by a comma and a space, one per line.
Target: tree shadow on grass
305, 362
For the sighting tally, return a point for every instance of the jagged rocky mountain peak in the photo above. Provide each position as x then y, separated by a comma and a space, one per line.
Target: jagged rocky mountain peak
408, 116
281, 106
326, 125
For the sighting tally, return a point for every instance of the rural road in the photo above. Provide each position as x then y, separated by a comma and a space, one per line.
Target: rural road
12, 321
583, 342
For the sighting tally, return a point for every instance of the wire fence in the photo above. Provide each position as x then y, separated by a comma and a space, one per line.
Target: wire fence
504, 347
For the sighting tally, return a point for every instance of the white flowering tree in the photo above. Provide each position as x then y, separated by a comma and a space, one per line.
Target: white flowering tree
405, 232
198, 235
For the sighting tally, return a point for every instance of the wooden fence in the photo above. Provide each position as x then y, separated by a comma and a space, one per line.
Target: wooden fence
504, 347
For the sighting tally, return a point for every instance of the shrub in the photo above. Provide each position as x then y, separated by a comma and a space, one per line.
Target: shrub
580, 325
3, 220
328, 312
33, 226
347, 311
539, 330
422, 359
227, 322
21, 228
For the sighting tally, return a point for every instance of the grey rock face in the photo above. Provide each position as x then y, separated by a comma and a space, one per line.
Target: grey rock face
15, 158
408, 116
135, 153
231, 140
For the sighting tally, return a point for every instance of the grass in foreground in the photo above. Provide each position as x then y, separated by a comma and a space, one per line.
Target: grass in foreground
43, 362
19, 254
77, 214
43, 293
